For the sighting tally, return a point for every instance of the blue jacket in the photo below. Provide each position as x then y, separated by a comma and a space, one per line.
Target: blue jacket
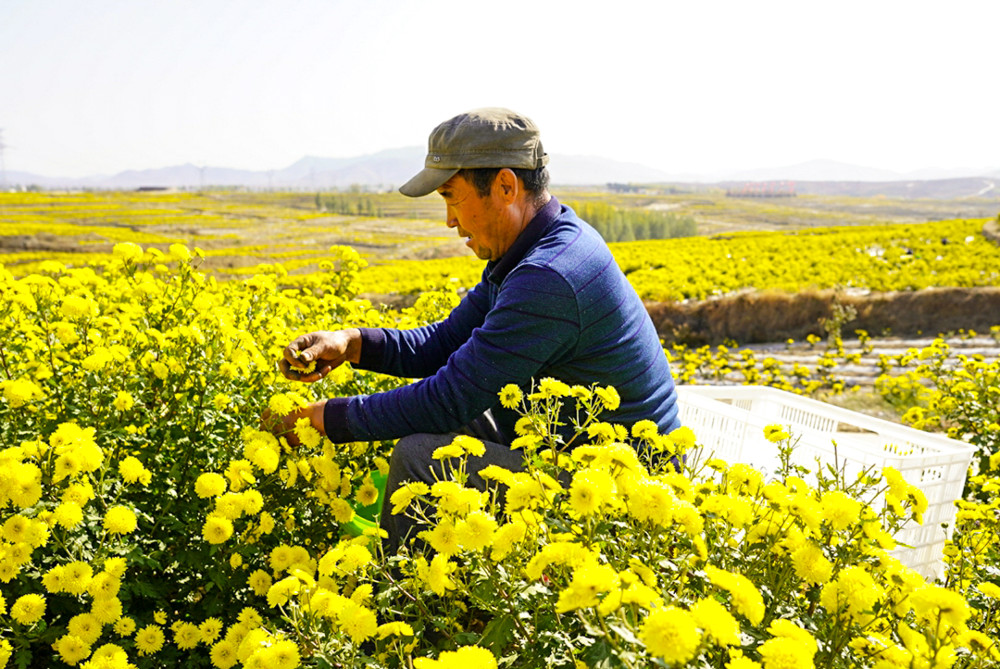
556, 304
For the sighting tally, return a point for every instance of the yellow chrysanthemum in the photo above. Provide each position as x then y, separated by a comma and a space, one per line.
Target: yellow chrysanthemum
149, 639
442, 537
131, 469
609, 397
68, 514
989, 589
210, 629
589, 580
775, 433
71, 649
260, 582
934, 604
672, 634
447, 452
590, 490
810, 564
217, 529
123, 401
840, 509
437, 575
120, 520
853, 591
180, 252
223, 655
745, 597
124, 626
504, 539
106, 609
19, 392
357, 621
683, 439
86, 627
511, 396
187, 636
475, 532
209, 485
28, 609
393, 629
467, 657
713, 618
127, 251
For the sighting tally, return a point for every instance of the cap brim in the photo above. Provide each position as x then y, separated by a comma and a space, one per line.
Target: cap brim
426, 181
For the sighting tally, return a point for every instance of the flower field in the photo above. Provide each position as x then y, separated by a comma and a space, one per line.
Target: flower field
243, 236
875, 258
878, 258
148, 521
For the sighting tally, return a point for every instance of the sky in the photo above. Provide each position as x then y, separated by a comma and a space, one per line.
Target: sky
686, 86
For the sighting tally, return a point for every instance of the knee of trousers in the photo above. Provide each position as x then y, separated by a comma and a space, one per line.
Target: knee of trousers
411, 457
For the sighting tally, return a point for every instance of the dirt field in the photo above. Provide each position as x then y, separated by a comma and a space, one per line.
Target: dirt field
762, 317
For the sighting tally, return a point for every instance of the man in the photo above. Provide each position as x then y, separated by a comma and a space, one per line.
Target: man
552, 302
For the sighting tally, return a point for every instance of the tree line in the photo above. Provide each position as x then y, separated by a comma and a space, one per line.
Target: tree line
617, 224
348, 204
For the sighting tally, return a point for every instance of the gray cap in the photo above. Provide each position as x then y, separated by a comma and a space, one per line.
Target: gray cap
488, 137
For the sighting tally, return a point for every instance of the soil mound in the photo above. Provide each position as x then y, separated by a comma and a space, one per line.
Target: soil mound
760, 317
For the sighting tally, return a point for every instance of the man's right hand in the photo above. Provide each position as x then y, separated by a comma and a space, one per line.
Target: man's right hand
329, 350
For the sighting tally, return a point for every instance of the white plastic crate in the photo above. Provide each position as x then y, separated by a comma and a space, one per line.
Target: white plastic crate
730, 420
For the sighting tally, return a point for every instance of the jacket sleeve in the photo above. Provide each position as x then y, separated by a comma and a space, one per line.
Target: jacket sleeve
420, 352
534, 323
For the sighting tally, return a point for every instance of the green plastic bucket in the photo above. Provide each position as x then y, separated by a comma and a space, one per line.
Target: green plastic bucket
366, 517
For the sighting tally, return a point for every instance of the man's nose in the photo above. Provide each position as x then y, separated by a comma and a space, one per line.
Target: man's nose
449, 217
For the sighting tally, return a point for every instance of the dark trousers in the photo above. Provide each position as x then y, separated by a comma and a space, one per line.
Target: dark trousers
411, 461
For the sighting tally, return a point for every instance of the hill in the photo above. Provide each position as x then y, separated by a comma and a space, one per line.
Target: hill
387, 169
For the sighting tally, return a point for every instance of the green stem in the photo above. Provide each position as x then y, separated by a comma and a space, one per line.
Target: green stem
420, 605
495, 578
3, 361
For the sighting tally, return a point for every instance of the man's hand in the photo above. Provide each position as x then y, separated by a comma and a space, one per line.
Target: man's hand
328, 349
284, 426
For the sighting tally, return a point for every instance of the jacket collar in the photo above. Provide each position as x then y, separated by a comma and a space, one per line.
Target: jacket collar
497, 270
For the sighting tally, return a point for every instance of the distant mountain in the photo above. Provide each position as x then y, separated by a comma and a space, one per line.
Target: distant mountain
589, 170
185, 175
385, 169
938, 189
15, 178
815, 170
945, 173
178, 176
392, 167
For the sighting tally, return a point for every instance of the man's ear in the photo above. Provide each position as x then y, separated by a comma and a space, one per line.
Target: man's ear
506, 186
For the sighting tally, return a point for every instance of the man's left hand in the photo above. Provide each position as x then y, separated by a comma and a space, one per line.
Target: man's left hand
284, 426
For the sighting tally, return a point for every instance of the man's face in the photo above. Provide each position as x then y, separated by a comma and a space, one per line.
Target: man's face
481, 219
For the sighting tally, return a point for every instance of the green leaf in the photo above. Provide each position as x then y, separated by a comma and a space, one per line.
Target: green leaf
597, 654
624, 632
466, 638
498, 633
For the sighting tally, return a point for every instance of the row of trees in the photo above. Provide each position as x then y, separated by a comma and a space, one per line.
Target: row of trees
348, 204
615, 224
628, 225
